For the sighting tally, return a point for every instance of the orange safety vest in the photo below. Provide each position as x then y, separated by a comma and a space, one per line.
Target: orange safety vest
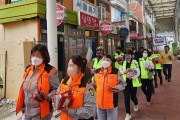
78, 90
43, 83
105, 98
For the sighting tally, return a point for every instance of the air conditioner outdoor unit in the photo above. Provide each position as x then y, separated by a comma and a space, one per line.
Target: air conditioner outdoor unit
101, 13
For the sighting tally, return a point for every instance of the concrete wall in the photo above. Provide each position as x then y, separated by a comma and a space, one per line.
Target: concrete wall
14, 38
164, 25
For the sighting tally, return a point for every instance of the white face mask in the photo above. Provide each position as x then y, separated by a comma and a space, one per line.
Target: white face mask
71, 71
145, 55
106, 64
36, 61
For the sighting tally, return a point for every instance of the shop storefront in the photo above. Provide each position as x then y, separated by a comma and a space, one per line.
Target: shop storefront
76, 34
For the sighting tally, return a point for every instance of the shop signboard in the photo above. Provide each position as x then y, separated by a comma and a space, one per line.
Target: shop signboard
123, 32
86, 20
128, 46
60, 13
15, 1
82, 6
105, 27
159, 41
133, 35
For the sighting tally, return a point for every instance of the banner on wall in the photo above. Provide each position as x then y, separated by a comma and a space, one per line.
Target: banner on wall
86, 20
159, 41
82, 6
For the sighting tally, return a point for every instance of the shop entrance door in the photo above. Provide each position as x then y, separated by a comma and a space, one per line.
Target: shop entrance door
88, 43
94, 47
61, 58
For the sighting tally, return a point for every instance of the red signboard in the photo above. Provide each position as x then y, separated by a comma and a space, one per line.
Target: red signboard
60, 13
86, 20
106, 27
133, 35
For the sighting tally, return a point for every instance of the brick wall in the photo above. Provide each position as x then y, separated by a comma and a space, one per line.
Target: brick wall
136, 9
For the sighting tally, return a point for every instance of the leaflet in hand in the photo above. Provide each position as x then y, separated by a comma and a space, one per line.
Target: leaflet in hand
60, 100
148, 64
131, 72
39, 95
157, 58
114, 89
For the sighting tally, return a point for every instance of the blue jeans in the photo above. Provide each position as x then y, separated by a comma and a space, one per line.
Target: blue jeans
107, 114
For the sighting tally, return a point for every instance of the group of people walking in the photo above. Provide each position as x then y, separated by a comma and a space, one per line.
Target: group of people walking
97, 93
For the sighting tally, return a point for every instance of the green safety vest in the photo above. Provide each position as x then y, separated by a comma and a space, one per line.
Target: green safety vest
158, 65
144, 72
136, 82
96, 64
117, 65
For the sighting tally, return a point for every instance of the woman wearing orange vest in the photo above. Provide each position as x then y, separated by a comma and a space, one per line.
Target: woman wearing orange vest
108, 82
84, 96
40, 77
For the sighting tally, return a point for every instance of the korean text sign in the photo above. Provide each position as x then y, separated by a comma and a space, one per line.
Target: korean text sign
86, 20
159, 41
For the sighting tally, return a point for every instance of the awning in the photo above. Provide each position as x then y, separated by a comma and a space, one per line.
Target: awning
162, 8
22, 10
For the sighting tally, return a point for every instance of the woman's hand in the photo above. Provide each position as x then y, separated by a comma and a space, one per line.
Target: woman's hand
129, 77
125, 72
148, 68
93, 71
23, 111
44, 96
113, 89
65, 109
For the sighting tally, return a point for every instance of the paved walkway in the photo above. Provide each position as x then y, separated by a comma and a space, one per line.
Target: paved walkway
165, 104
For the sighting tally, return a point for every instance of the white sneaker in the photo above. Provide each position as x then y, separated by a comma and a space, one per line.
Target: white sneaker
136, 108
128, 116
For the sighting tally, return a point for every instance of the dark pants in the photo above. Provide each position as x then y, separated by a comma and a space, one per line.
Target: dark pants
130, 91
146, 88
157, 72
169, 67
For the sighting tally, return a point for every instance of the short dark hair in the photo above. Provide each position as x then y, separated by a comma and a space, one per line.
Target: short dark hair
44, 52
80, 62
147, 52
119, 48
166, 46
133, 48
108, 56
